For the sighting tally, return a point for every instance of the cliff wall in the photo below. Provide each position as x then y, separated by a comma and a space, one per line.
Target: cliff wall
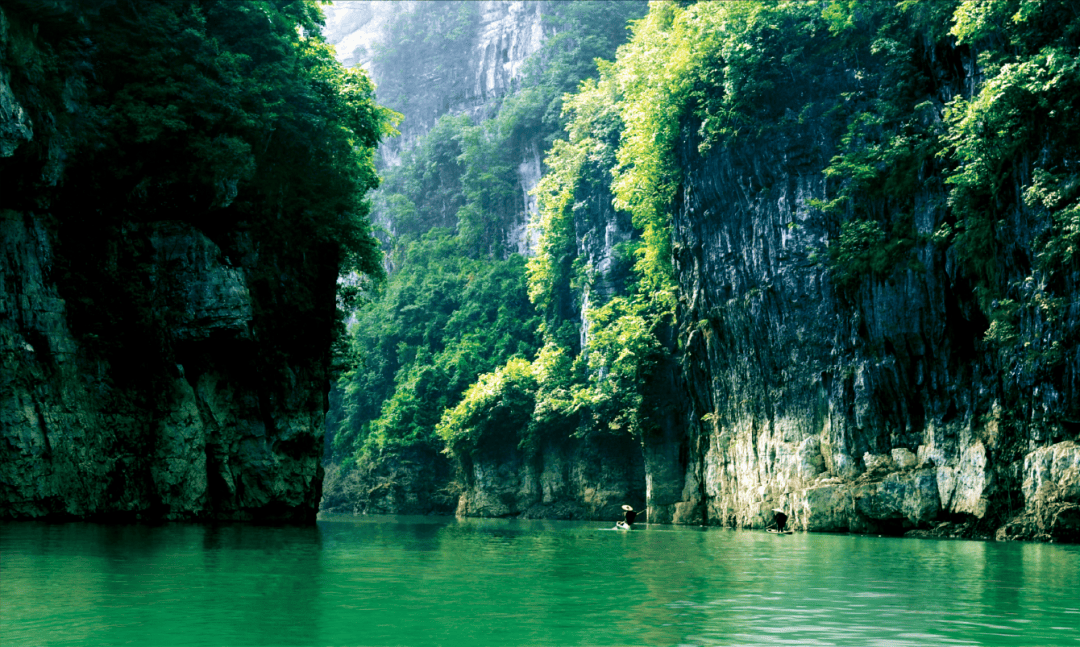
569, 479
463, 57
455, 58
200, 438
877, 409
151, 369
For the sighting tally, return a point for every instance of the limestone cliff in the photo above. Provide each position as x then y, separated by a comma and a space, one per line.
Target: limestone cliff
879, 411
457, 58
875, 407
462, 57
198, 439
147, 366
568, 479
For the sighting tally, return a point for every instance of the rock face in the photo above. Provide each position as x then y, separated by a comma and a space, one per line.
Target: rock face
463, 72
881, 411
567, 480
197, 418
464, 58
415, 481
878, 411
210, 442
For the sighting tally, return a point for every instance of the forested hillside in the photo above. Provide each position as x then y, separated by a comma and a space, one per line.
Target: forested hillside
811, 255
455, 210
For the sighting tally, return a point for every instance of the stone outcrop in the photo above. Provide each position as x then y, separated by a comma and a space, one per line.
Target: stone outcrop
572, 479
192, 413
410, 481
205, 440
206, 295
1051, 489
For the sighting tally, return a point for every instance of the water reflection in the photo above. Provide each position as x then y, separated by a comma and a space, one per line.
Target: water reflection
85, 584
429, 581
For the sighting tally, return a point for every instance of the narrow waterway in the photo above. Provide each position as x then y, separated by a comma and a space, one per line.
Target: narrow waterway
437, 581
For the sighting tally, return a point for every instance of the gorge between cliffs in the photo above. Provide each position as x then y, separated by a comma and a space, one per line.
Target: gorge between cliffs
543, 259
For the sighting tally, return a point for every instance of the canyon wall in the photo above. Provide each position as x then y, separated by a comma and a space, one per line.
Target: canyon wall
148, 369
459, 58
201, 437
463, 57
878, 409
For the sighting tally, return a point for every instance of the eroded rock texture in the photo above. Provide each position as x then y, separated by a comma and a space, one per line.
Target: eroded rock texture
202, 438
878, 410
572, 479
473, 53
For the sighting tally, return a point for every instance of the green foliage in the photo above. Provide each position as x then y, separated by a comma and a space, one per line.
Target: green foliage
1015, 142
579, 166
556, 396
862, 73
550, 268
226, 112
650, 77
890, 134
559, 379
490, 187
425, 191
864, 249
492, 409
438, 31
442, 320
751, 58
234, 118
452, 310
622, 351
1025, 109
749, 70
585, 33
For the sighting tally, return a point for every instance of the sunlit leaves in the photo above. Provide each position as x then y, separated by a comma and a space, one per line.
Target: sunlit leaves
1024, 109
499, 404
443, 319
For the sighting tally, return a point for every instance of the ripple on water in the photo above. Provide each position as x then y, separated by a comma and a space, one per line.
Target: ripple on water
424, 581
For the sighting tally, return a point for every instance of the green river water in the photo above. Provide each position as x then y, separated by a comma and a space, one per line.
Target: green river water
438, 581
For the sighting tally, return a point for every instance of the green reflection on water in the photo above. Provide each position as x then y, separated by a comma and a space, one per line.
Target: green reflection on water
433, 581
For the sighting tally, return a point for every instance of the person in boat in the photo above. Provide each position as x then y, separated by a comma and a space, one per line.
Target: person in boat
629, 515
780, 518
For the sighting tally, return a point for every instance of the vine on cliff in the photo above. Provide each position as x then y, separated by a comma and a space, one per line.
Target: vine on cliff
1024, 110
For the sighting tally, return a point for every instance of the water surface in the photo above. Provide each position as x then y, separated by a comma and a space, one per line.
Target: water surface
435, 581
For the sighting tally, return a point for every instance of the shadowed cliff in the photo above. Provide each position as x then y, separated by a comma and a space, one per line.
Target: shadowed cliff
181, 187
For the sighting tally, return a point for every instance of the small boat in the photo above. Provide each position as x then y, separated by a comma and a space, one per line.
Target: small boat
780, 517
622, 525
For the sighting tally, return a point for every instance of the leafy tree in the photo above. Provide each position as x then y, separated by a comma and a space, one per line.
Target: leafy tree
237, 119
492, 410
